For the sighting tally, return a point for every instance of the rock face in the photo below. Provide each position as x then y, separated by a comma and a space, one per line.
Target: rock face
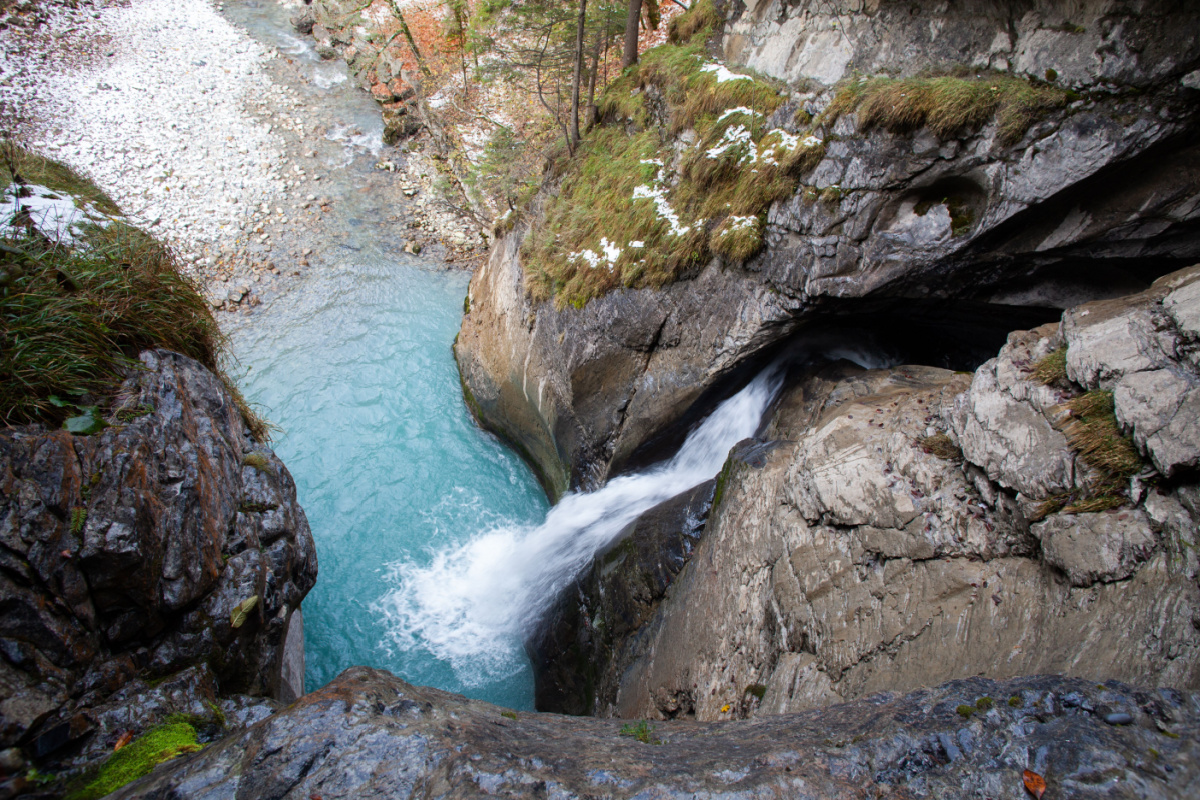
916, 525
371, 735
1094, 201
126, 552
594, 620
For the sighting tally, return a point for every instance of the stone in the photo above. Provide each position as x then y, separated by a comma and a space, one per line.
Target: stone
1096, 547
370, 735
136, 539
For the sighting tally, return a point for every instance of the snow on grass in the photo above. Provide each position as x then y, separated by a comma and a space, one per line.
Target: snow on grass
56, 215
723, 74
661, 207
729, 112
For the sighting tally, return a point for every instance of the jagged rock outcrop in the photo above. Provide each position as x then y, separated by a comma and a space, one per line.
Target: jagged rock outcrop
915, 525
124, 556
1093, 201
371, 735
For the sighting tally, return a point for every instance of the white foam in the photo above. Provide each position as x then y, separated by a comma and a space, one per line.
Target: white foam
471, 605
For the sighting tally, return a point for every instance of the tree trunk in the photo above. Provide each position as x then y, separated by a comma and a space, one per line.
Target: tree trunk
575, 79
412, 43
632, 21
591, 103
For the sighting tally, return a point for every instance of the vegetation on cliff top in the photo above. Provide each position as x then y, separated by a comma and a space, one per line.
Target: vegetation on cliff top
73, 317
949, 105
639, 204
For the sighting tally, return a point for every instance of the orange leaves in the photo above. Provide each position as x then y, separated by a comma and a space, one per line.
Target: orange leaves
1035, 784
123, 740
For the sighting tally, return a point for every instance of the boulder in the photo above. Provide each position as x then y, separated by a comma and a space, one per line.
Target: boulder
922, 525
126, 552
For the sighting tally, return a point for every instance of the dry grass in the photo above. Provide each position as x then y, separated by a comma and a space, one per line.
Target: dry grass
947, 105
73, 320
1052, 369
941, 446
1092, 430
29, 167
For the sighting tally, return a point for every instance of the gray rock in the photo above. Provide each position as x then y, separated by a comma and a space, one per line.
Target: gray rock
370, 735
1096, 547
128, 551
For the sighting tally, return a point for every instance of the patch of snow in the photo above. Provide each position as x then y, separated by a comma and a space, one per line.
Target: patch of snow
637, 244
729, 112
661, 207
56, 215
723, 74
733, 137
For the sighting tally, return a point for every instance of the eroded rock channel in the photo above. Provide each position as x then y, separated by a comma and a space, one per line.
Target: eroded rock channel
898, 493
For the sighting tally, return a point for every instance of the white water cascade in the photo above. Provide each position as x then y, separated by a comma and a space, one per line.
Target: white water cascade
469, 605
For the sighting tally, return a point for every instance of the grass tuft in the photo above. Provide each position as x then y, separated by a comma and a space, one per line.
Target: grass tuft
1052, 369
642, 731
73, 320
1092, 430
941, 446
138, 758
948, 105
33, 168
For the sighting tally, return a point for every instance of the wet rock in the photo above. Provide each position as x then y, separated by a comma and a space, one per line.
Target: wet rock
584, 642
371, 735
303, 22
129, 549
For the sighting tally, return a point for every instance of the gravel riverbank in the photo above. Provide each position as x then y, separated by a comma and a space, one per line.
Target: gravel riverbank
210, 137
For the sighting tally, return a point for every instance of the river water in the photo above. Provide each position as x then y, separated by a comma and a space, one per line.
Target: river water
355, 365
437, 549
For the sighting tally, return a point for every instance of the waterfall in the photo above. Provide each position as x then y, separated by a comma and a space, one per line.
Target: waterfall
471, 604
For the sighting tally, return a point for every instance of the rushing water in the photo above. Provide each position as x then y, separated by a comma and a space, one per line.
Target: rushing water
435, 543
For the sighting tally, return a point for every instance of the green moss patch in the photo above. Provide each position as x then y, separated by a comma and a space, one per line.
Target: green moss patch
138, 758
949, 105
640, 206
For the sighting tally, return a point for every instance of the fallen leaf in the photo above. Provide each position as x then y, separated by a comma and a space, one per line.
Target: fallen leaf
124, 739
1035, 784
242, 610
725, 708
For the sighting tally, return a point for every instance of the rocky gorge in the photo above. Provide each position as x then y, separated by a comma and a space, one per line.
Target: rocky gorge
959, 548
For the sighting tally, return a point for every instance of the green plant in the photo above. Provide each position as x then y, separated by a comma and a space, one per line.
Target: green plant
78, 520
985, 703
1014, 702
965, 711
159, 744
509, 714
949, 105
757, 690
642, 731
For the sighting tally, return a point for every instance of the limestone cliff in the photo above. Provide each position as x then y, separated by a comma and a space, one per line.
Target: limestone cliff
126, 554
914, 525
1093, 200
